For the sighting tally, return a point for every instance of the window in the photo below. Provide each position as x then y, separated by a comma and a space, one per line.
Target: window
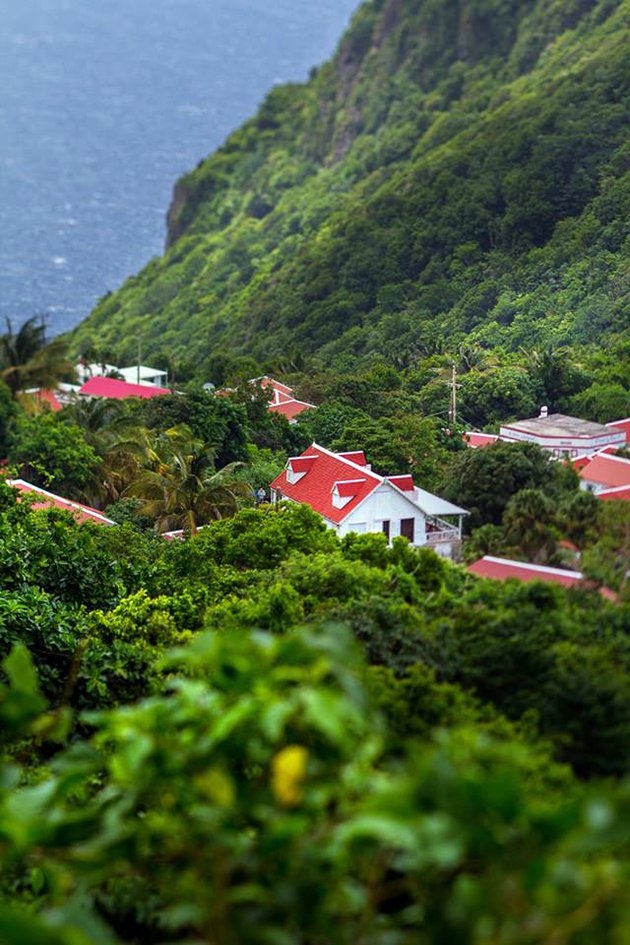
407, 528
386, 529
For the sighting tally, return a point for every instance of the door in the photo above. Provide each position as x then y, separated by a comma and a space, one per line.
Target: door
407, 529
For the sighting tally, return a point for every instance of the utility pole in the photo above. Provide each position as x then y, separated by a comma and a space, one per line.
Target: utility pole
139, 355
452, 409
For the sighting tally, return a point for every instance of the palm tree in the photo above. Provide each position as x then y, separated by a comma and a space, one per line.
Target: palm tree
179, 487
26, 360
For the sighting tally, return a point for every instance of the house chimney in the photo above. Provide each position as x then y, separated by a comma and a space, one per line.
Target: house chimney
544, 412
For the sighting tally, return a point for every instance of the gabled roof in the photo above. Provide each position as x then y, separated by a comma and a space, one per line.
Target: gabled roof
326, 475
607, 470
315, 488
47, 500
503, 568
623, 425
266, 381
290, 408
119, 390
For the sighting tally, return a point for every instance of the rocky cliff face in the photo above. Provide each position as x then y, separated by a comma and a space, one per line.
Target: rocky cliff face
455, 171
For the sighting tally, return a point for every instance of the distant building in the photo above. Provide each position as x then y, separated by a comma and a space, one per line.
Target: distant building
351, 497
502, 569
136, 374
603, 473
47, 500
119, 390
283, 400
563, 436
142, 374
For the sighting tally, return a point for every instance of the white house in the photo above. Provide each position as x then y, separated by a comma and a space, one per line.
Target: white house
563, 436
143, 374
351, 497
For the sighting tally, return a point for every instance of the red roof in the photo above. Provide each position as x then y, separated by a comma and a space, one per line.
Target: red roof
618, 492
118, 390
46, 396
480, 439
47, 500
405, 483
290, 408
607, 470
315, 488
623, 425
356, 456
302, 464
348, 487
267, 381
503, 568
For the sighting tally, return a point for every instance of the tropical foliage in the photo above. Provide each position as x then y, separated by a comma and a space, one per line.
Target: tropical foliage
419, 774
27, 360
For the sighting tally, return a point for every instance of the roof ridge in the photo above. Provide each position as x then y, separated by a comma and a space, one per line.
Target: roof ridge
348, 462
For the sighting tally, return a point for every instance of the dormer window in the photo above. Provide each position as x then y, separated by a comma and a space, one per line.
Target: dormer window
298, 466
404, 483
345, 490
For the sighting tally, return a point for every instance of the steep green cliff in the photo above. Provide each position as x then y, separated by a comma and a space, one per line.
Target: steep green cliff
458, 171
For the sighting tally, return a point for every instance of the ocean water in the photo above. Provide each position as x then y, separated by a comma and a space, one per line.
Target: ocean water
103, 105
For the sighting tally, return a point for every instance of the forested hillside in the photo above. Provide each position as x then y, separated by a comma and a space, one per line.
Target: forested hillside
455, 172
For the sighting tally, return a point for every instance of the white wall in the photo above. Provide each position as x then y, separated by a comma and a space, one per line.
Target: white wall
385, 503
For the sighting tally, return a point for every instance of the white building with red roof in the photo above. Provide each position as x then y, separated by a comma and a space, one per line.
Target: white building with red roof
283, 399
119, 390
351, 497
43, 499
602, 473
563, 436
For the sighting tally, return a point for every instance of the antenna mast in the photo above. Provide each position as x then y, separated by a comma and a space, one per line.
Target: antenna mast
452, 409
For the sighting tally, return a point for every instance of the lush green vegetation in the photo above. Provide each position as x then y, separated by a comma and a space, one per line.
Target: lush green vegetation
264, 734
454, 175
348, 744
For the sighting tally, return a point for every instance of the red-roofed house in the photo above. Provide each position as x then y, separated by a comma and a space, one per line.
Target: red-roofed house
119, 390
351, 497
283, 400
605, 471
504, 568
47, 500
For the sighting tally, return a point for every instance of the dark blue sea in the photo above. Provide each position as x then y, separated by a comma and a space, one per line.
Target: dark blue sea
103, 104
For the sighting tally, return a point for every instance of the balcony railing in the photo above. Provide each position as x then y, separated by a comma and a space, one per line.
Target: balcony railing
446, 534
